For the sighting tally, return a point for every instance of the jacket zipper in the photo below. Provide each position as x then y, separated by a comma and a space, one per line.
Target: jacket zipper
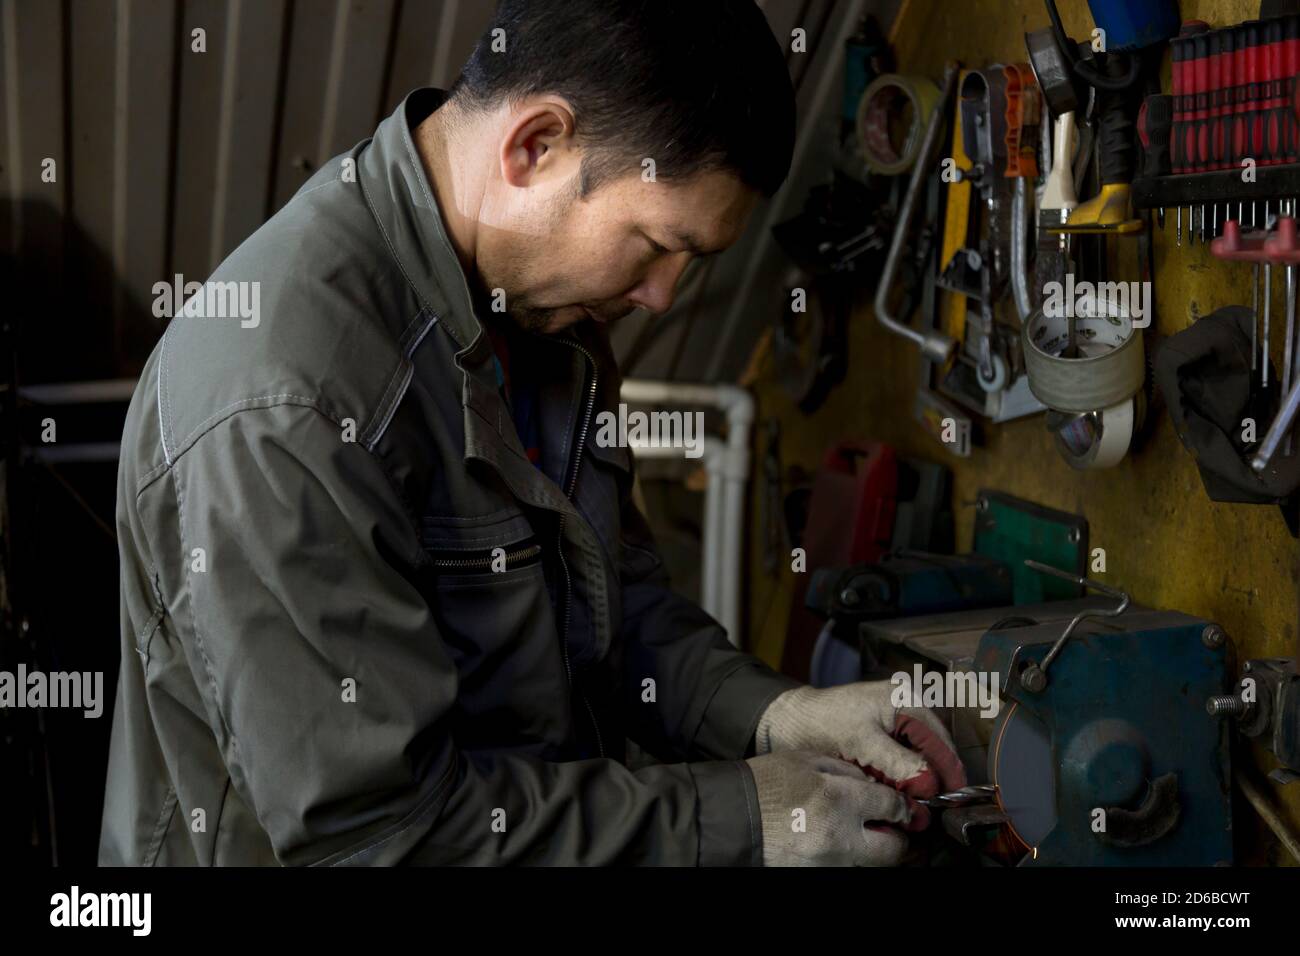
512, 560
559, 549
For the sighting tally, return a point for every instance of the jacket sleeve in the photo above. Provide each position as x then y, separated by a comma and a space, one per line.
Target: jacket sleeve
328, 686
709, 695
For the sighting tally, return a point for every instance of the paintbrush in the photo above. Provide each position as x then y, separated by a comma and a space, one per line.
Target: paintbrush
1054, 208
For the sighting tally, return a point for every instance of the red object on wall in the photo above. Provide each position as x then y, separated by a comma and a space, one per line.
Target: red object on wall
850, 521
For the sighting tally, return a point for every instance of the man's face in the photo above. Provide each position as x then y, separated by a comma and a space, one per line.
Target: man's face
561, 259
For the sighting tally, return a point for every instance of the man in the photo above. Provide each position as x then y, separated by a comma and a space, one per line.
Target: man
361, 622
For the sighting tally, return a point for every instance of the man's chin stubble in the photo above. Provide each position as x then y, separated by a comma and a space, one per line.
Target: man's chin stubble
543, 321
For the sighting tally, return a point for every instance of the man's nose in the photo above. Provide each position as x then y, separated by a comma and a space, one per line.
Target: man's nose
655, 293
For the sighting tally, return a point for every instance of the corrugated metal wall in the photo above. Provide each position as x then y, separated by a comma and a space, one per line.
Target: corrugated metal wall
166, 157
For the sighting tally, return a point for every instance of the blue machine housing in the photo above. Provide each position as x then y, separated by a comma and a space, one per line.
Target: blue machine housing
1124, 706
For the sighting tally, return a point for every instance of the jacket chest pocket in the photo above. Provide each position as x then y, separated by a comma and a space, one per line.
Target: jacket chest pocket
486, 588
497, 560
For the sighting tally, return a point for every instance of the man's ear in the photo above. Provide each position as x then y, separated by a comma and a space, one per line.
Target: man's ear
535, 143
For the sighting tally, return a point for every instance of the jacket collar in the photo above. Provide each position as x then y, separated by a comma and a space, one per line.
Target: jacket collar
397, 190
402, 202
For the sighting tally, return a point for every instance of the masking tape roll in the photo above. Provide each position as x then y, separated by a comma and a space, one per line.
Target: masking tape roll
879, 112
1109, 369
1100, 439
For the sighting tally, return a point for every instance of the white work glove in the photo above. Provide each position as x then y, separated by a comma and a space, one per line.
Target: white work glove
819, 811
906, 748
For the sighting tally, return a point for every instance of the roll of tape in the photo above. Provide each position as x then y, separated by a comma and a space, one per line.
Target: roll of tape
1109, 369
880, 112
1099, 439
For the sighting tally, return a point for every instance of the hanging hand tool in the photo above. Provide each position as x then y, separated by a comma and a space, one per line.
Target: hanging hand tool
1109, 212
1051, 66
1024, 109
1131, 30
1191, 89
1234, 108
1024, 118
1280, 427
1247, 245
1284, 247
933, 344
1059, 198
985, 238
980, 271
1155, 126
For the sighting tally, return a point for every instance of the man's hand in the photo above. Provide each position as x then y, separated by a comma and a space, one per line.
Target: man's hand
907, 748
819, 811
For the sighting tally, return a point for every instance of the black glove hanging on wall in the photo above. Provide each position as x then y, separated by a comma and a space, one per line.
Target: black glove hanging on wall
1204, 372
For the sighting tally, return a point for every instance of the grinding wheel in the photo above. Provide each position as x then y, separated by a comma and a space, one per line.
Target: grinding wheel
1021, 767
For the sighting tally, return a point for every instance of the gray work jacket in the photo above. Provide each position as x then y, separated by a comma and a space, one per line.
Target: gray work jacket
319, 664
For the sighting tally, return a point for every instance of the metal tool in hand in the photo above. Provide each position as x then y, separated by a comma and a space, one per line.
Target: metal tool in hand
976, 793
1034, 677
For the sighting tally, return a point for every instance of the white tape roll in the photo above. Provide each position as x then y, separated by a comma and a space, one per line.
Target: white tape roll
1099, 439
1110, 368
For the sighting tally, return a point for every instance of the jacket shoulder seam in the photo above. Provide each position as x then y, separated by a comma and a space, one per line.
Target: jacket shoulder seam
257, 401
215, 419
276, 401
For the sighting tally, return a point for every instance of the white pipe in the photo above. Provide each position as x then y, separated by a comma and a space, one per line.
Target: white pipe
712, 457
728, 469
731, 556
711, 591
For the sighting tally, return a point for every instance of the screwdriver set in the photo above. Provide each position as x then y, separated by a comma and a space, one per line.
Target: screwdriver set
1233, 94
1225, 145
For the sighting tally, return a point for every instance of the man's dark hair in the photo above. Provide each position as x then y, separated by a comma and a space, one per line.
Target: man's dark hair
695, 85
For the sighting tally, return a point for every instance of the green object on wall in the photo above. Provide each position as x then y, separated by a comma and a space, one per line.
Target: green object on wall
1012, 530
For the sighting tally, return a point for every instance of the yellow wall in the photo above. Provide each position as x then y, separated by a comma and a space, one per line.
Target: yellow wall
1165, 542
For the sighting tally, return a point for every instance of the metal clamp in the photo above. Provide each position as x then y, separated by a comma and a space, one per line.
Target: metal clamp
1034, 677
